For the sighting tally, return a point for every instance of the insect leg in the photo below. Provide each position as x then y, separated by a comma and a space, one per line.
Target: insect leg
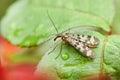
52, 50
60, 50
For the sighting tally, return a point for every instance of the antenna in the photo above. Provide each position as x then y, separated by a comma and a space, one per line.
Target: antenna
52, 21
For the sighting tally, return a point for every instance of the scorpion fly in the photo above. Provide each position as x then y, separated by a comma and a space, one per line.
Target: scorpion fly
82, 43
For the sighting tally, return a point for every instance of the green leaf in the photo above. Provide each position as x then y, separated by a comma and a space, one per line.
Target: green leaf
27, 23
111, 55
116, 20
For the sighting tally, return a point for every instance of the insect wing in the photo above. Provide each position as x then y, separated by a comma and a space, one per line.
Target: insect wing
81, 47
90, 40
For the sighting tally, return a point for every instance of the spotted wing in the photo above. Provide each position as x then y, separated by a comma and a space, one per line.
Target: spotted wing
81, 47
90, 40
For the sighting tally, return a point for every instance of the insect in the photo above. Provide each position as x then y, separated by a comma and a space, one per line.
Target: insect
82, 43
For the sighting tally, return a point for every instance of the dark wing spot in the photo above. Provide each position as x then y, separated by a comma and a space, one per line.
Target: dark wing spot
79, 40
78, 37
82, 35
73, 35
88, 36
77, 43
84, 47
78, 34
